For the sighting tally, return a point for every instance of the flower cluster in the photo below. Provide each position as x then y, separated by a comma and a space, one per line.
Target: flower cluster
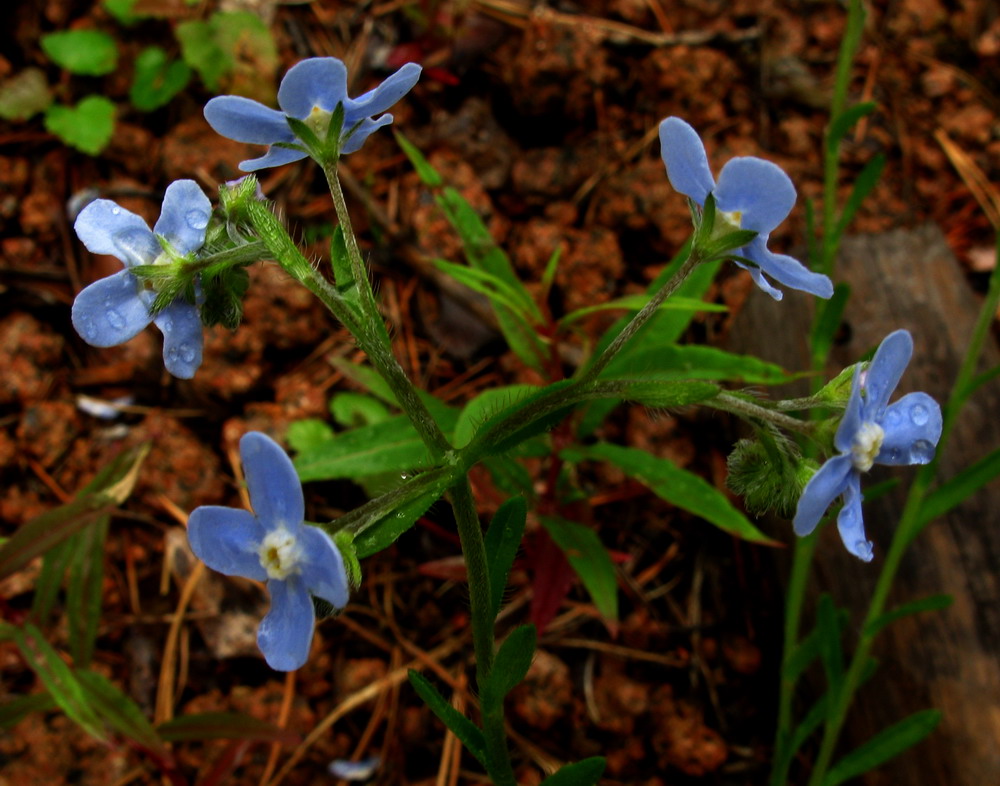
751, 194
113, 310
310, 91
871, 432
275, 545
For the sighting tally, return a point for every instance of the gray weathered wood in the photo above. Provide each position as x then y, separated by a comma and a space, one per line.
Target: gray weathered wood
951, 659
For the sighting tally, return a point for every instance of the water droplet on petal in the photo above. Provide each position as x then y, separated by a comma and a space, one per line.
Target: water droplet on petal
892, 418
136, 247
919, 414
166, 324
197, 219
921, 452
187, 353
115, 318
116, 211
863, 550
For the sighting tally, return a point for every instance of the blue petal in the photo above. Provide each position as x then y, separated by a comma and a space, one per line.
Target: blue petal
182, 338
850, 522
105, 228
323, 567
275, 490
759, 190
275, 156
384, 96
184, 216
109, 312
227, 540
365, 130
851, 422
822, 489
685, 159
318, 81
885, 371
246, 120
286, 631
758, 276
787, 270
912, 429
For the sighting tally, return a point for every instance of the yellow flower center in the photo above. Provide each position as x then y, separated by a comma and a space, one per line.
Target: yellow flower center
280, 554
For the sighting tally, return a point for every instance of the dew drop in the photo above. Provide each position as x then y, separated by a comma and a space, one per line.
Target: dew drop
187, 353
115, 318
116, 211
892, 418
921, 452
197, 219
919, 414
166, 324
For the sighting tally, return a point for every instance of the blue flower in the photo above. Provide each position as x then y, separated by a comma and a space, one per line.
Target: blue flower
871, 432
751, 194
310, 92
275, 545
115, 309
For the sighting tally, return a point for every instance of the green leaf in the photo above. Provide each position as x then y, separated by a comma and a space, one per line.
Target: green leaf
309, 434
842, 123
212, 47
959, 488
866, 181
636, 303
109, 488
84, 590
675, 485
930, 603
84, 52
657, 360
883, 746
830, 652
352, 410
512, 663
122, 10
54, 564
667, 395
24, 95
87, 126
427, 173
499, 292
581, 773
804, 653
466, 731
59, 680
225, 726
830, 313
390, 446
15, 708
383, 534
486, 405
507, 429
157, 79
590, 560
119, 711
343, 274
503, 538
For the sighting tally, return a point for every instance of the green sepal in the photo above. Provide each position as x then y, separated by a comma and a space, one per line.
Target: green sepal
306, 135
345, 544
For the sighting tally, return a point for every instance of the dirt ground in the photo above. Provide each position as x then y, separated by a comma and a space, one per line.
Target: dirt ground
544, 116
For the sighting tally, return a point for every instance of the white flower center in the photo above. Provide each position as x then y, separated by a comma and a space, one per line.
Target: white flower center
734, 218
280, 554
319, 121
866, 445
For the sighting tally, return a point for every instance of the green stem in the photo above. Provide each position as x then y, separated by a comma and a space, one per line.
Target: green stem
473, 547
747, 409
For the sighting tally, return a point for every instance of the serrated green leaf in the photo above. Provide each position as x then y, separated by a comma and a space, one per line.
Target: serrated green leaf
24, 95
87, 126
84, 52
675, 485
390, 446
486, 405
590, 561
512, 662
203, 726
503, 538
582, 773
959, 488
930, 603
15, 708
466, 731
59, 680
119, 711
157, 79
883, 746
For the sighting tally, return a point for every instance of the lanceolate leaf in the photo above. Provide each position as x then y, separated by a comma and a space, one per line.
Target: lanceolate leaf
582, 773
383, 534
502, 541
931, 603
512, 662
84, 590
960, 487
656, 360
590, 560
485, 405
16, 708
675, 485
883, 746
462, 727
119, 711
